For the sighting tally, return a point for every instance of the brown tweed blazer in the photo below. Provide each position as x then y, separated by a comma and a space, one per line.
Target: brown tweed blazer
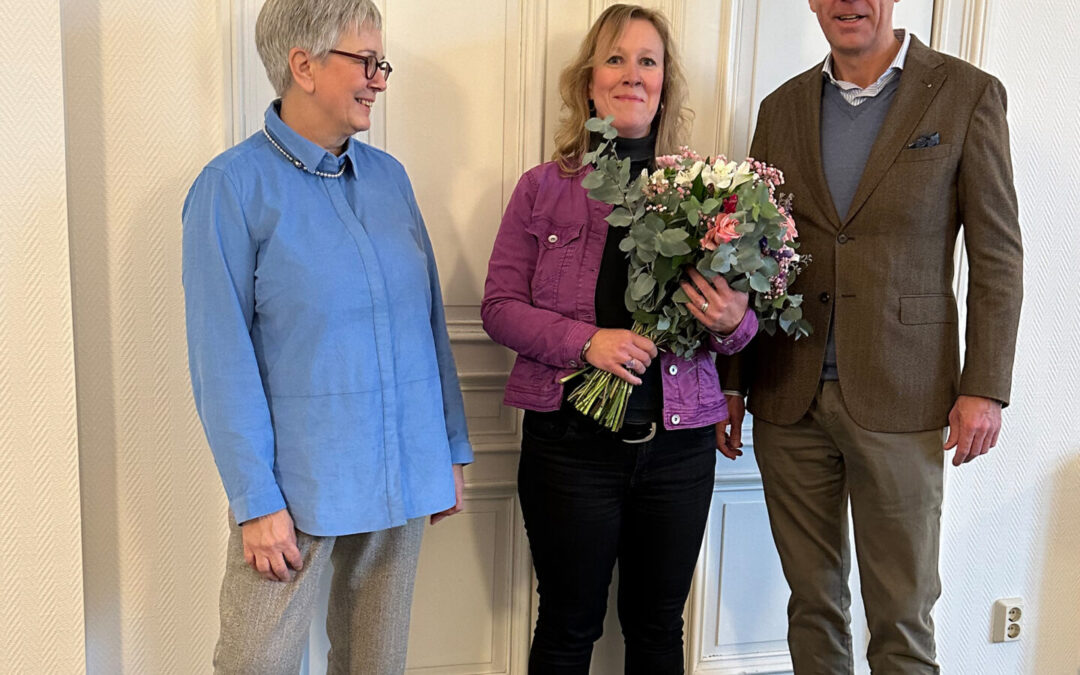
884, 270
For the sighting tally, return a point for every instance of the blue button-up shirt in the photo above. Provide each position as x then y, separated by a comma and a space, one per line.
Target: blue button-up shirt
318, 349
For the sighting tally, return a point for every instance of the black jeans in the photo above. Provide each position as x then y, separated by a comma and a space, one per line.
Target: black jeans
590, 499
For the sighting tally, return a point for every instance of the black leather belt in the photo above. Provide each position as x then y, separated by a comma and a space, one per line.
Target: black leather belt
636, 433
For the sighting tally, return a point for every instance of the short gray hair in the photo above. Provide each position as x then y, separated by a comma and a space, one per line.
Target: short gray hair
312, 25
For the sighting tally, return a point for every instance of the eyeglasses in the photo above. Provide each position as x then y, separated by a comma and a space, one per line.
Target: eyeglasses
372, 65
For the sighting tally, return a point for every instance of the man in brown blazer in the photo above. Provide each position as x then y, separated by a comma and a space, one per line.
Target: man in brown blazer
889, 148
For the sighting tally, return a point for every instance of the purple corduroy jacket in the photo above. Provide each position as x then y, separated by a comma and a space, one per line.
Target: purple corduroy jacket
539, 300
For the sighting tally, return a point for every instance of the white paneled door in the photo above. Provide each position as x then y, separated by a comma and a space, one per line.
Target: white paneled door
472, 104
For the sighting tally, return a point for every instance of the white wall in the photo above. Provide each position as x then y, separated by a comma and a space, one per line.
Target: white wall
41, 609
1011, 523
144, 97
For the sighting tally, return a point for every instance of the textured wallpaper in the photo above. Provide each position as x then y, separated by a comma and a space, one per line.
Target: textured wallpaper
1011, 521
41, 608
145, 111
143, 95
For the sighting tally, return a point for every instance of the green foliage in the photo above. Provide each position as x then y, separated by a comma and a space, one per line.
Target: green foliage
662, 241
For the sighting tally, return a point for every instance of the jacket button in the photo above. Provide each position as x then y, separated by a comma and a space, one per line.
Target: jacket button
573, 364
673, 369
824, 297
552, 238
675, 419
841, 238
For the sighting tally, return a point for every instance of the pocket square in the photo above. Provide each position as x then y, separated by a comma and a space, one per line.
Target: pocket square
926, 141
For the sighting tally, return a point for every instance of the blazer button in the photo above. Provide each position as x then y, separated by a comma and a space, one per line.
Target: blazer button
573, 364
552, 238
842, 238
675, 419
824, 297
673, 369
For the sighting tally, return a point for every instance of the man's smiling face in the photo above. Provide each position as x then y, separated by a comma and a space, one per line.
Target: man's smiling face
855, 27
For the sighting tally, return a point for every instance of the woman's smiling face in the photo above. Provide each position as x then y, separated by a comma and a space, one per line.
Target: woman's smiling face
628, 79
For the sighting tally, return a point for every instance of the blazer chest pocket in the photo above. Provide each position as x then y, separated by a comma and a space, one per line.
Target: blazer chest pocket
924, 309
925, 154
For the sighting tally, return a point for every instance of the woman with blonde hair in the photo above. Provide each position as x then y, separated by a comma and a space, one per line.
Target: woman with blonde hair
554, 294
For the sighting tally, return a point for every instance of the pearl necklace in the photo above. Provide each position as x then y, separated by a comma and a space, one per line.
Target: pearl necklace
297, 163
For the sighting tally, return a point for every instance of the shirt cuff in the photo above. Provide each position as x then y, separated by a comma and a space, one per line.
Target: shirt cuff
250, 507
739, 338
461, 453
574, 342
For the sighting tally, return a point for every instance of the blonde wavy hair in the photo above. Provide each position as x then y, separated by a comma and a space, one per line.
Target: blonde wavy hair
571, 138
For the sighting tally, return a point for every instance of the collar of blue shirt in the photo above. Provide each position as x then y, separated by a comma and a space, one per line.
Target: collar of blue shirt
313, 157
903, 37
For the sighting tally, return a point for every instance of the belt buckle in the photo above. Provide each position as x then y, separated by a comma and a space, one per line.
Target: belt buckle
648, 437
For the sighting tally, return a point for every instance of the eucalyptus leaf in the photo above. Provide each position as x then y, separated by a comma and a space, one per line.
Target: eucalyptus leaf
643, 236
619, 217
654, 222
663, 270
671, 243
769, 267
598, 125
641, 286
791, 314
593, 180
720, 263
609, 193
760, 283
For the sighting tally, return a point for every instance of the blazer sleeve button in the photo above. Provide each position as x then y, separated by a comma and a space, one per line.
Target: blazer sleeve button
824, 297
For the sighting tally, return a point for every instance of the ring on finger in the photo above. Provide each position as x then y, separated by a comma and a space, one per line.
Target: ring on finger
630, 365
705, 307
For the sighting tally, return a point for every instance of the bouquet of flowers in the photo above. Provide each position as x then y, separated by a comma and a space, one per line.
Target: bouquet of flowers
719, 216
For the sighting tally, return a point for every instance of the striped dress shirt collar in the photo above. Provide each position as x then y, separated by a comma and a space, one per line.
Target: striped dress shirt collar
853, 93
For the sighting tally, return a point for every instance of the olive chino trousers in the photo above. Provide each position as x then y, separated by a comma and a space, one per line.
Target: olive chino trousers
811, 470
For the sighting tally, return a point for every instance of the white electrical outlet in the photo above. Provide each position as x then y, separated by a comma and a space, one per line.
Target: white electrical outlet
1009, 619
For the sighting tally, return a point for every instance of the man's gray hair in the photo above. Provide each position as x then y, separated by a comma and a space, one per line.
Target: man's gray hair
312, 25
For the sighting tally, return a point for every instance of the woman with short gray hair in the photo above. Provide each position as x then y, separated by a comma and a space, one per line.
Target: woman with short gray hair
334, 417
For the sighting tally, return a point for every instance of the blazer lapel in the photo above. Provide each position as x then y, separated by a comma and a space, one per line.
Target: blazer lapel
808, 129
920, 82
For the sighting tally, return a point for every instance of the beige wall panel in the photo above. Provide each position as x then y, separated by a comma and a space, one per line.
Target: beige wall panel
145, 108
41, 610
470, 613
446, 118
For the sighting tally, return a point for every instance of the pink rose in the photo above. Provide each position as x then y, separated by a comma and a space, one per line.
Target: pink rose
720, 233
789, 225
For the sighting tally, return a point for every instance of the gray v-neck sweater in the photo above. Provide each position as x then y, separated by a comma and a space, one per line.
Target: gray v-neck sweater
847, 135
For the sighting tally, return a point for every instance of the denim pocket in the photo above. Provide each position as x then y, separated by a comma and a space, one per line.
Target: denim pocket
546, 427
